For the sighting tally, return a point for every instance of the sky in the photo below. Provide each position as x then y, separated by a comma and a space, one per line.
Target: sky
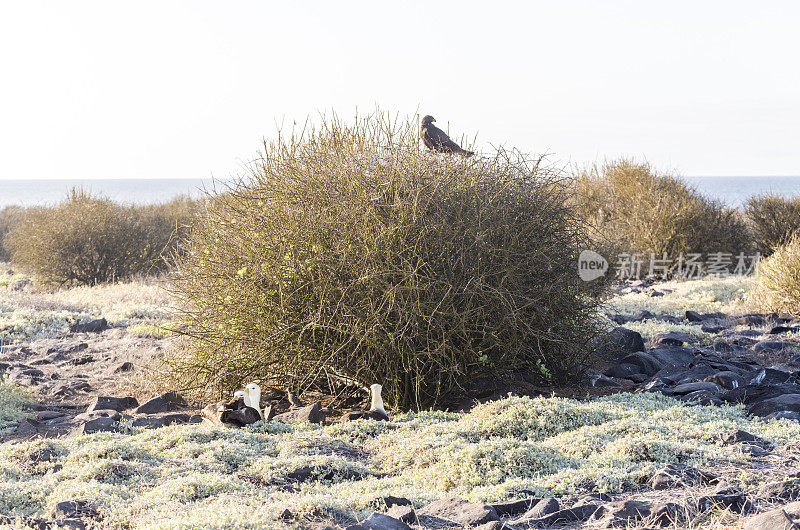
170, 88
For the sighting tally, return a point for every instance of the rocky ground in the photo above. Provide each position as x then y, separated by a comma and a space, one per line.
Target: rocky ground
89, 379
750, 358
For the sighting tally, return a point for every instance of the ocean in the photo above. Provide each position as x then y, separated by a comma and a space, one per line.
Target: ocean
134, 191
733, 191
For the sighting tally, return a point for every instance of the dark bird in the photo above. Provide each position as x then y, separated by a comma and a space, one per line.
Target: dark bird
234, 413
435, 139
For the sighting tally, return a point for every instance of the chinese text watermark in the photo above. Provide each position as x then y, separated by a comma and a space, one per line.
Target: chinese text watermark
635, 266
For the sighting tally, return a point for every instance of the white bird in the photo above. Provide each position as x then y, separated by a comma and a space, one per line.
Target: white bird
376, 410
254, 393
241, 394
377, 400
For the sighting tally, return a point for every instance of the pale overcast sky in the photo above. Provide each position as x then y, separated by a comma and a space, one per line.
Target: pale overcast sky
188, 88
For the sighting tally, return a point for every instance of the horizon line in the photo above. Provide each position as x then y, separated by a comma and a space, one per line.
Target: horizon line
716, 175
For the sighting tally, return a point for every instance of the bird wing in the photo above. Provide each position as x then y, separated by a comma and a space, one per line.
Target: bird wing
427, 139
212, 412
441, 141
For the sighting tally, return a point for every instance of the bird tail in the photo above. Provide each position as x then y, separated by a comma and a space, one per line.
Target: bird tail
467, 153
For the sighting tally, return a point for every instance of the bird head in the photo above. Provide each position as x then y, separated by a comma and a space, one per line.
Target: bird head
428, 120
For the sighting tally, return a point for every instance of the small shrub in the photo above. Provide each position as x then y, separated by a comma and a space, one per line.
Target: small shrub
13, 400
635, 209
777, 286
87, 240
351, 256
774, 220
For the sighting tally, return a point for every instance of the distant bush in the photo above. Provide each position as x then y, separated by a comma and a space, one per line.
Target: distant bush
777, 287
349, 256
774, 220
87, 240
9, 216
635, 209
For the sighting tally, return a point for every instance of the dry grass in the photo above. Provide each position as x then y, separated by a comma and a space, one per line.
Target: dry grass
33, 313
213, 477
710, 295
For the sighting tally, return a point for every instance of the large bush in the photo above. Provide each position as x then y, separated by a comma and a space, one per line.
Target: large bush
774, 220
777, 286
635, 209
350, 256
87, 240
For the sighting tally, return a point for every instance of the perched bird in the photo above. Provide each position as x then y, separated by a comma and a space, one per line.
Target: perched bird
376, 410
435, 139
294, 401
